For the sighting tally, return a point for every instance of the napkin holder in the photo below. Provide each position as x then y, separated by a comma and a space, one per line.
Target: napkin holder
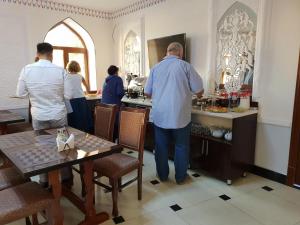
69, 144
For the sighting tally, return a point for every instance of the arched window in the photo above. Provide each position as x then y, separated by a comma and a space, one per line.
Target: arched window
71, 42
132, 54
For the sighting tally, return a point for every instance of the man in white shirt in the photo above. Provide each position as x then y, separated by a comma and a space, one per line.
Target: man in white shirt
44, 83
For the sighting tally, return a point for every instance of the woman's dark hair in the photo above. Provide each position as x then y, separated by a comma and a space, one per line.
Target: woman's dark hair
44, 48
112, 70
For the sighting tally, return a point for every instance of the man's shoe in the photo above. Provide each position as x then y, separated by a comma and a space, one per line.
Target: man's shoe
184, 180
162, 180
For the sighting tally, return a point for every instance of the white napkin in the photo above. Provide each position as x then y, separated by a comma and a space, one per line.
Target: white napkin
69, 144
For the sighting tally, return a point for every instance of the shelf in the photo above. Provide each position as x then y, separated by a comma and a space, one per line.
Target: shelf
211, 138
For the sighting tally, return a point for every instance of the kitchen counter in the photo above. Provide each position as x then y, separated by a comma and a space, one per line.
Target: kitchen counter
195, 110
228, 115
93, 97
137, 101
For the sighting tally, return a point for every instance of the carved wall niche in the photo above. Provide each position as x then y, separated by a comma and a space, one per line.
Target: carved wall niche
132, 54
236, 37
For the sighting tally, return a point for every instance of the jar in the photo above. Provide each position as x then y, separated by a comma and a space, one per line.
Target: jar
245, 102
234, 100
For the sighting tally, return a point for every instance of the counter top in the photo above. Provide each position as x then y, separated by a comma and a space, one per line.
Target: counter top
137, 101
195, 109
93, 97
228, 115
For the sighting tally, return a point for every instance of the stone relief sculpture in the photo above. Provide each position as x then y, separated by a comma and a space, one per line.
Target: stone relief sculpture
236, 37
132, 54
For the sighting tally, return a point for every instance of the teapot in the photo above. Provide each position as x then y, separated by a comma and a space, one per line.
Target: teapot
228, 136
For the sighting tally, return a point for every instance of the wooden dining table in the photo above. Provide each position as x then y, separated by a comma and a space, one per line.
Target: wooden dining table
8, 117
34, 153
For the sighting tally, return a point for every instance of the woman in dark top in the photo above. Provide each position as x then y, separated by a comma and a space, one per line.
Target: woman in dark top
113, 89
113, 92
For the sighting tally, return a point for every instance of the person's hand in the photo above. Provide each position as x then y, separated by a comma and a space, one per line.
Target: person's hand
200, 94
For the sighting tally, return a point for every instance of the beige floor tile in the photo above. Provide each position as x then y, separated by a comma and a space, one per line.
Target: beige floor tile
162, 217
216, 212
289, 194
268, 208
239, 187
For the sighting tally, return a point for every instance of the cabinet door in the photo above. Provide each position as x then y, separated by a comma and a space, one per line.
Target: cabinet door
217, 159
197, 153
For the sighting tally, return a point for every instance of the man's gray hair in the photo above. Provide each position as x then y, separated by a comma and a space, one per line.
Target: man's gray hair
175, 47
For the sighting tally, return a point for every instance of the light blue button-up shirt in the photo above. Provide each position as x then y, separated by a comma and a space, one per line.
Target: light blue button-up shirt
171, 84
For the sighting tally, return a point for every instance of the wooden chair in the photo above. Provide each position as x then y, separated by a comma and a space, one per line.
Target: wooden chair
131, 135
10, 177
105, 116
25, 200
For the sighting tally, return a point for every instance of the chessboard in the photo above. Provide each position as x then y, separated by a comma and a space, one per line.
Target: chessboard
70, 130
90, 143
17, 139
33, 157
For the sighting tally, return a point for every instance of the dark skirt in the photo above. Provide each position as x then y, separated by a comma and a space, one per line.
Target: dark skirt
81, 117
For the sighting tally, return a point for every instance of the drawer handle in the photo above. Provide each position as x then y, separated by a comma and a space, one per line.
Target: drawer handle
207, 148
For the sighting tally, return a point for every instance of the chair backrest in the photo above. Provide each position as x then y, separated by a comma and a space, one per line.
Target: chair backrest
132, 129
105, 116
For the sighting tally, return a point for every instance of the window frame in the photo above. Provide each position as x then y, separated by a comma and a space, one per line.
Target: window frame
67, 50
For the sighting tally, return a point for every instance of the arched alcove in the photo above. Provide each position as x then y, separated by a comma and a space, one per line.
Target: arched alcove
132, 53
72, 42
236, 41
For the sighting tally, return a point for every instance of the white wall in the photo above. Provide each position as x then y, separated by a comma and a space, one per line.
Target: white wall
277, 84
278, 64
23, 27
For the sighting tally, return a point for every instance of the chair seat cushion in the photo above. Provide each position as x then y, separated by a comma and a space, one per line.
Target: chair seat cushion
116, 165
10, 177
22, 201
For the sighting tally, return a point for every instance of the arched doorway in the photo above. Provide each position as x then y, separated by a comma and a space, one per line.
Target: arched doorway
71, 42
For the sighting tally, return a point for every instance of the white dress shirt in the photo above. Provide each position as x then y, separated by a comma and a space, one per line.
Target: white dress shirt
44, 83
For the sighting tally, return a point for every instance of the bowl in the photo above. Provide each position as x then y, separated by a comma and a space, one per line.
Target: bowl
217, 133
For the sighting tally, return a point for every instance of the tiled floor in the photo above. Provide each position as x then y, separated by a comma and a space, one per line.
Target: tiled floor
201, 201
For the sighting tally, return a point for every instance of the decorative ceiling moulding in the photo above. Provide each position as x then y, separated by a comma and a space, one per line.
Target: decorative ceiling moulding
62, 7
134, 7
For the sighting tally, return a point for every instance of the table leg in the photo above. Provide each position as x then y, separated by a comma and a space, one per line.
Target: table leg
3, 129
56, 217
91, 218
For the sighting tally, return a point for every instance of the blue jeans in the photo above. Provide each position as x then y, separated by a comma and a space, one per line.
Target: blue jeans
181, 139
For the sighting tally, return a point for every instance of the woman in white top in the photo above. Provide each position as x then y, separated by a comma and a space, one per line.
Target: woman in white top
81, 117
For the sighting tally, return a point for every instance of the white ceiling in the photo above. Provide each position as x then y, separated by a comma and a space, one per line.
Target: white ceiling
105, 5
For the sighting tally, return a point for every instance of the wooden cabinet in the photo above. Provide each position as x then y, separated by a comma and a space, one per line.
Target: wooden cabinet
222, 159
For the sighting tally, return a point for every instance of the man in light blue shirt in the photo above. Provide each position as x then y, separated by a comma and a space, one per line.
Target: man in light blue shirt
171, 84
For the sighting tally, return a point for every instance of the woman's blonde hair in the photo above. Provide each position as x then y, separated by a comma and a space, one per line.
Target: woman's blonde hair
73, 67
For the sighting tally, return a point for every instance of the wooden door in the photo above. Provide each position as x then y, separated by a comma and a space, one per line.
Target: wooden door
294, 159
